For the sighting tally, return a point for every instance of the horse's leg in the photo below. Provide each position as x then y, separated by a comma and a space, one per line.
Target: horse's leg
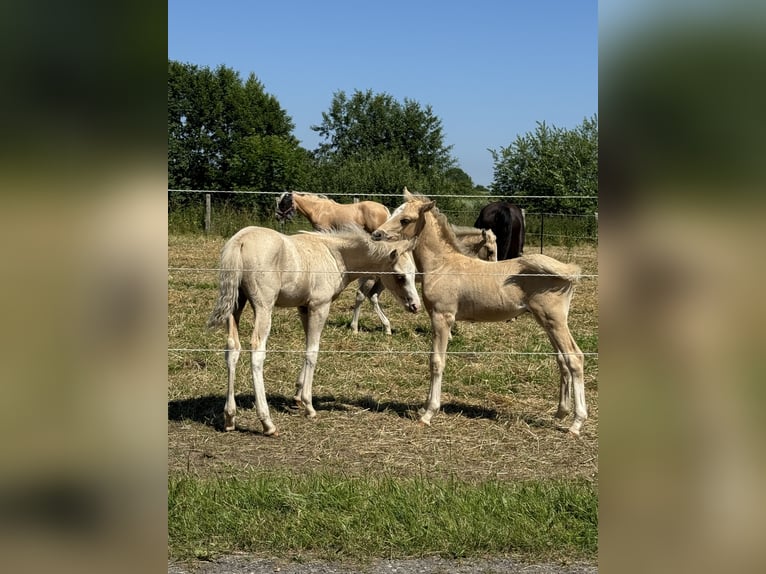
441, 324
570, 360
374, 293
370, 289
303, 313
233, 348
360, 297
261, 331
313, 323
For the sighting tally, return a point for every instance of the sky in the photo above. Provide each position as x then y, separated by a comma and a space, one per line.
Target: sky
489, 69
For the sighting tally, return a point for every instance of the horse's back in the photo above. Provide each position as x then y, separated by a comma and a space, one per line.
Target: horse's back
477, 290
290, 270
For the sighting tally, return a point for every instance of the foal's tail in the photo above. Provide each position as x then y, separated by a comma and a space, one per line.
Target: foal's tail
231, 277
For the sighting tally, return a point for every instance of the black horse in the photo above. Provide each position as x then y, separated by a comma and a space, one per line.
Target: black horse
507, 221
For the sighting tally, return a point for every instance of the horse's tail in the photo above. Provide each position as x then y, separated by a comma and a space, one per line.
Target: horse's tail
541, 264
228, 287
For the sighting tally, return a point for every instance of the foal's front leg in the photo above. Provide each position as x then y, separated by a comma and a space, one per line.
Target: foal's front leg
441, 324
313, 321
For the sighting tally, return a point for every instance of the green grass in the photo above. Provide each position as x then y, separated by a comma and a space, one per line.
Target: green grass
323, 515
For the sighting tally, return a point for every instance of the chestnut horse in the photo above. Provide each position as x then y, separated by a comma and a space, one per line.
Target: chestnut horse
267, 269
460, 288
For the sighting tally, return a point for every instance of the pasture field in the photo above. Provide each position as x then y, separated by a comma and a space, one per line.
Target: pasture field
494, 444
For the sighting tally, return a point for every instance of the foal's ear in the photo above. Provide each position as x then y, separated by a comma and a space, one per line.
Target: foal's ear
407, 195
393, 255
427, 206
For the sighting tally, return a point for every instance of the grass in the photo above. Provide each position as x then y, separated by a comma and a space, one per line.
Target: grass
329, 516
492, 474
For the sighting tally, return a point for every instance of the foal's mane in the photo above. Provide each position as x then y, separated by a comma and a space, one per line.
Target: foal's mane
445, 227
353, 232
447, 233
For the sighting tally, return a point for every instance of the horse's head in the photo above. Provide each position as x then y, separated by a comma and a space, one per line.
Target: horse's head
401, 279
488, 251
407, 221
285, 207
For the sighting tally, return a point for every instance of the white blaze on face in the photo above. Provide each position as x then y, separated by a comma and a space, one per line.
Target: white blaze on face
397, 211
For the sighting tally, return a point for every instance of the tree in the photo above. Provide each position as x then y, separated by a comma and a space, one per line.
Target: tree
227, 134
374, 144
551, 161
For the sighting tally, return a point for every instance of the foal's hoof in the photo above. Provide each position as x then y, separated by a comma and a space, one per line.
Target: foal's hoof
228, 428
423, 424
573, 432
562, 413
271, 431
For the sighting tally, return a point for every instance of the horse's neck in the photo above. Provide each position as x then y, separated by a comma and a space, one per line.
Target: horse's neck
432, 244
310, 207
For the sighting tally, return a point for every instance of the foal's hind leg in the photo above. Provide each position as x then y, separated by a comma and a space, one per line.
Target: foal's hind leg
374, 294
570, 360
261, 331
313, 321
369, 289
233, 348
360, 297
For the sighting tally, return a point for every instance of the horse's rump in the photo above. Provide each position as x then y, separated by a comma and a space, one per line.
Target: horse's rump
229, 282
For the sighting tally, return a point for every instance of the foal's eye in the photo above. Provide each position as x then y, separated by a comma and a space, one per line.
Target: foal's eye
400, 278
405, 221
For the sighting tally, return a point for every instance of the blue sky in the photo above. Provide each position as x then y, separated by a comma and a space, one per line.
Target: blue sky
490, 69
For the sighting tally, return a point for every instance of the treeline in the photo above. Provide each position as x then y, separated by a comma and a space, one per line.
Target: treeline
226, 133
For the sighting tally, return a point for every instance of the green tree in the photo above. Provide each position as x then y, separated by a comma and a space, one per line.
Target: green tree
224, 134
375, 144
551, 161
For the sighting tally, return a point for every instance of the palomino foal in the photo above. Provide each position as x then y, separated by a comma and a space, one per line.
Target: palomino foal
457, 287
267, 269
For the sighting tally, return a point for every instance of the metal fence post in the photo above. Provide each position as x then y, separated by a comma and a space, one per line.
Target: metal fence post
207, 213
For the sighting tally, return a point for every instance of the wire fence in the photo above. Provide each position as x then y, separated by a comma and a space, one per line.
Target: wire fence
225, 219
536, 223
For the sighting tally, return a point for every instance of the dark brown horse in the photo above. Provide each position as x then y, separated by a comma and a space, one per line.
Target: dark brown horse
507, 221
